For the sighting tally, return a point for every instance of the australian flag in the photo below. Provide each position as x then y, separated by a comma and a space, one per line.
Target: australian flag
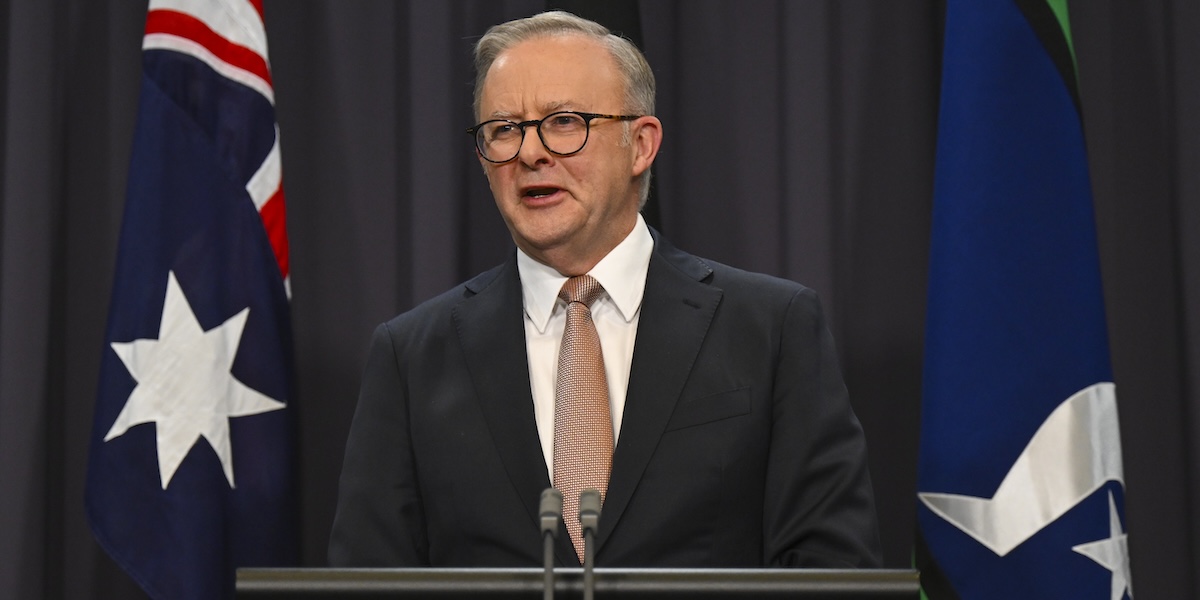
190, 468
1020, 481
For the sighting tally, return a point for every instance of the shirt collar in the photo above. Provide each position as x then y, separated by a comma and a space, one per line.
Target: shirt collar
622, 273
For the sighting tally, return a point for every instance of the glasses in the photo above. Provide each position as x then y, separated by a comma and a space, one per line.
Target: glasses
563, 133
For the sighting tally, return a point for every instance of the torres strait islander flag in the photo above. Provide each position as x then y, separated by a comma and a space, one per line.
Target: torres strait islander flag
190, 466
1020, 481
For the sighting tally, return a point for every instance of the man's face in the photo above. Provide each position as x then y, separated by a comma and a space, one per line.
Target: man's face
564, 211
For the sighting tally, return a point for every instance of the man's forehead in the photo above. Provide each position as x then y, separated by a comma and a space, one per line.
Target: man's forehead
566, 52
545, 74
557, 43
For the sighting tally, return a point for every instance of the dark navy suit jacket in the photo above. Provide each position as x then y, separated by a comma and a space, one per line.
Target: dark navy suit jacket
738, 446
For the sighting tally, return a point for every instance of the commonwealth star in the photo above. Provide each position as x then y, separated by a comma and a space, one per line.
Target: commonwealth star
184, 385
1112, 553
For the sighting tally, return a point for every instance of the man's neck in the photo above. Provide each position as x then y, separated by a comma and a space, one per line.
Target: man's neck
571, 261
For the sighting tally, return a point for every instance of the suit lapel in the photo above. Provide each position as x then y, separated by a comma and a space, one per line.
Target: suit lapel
677, 308
492, 331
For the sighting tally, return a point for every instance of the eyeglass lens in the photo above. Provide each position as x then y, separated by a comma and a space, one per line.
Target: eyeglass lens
562, 133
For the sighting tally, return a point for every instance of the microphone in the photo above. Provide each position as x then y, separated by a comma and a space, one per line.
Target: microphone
589, 521
550, 514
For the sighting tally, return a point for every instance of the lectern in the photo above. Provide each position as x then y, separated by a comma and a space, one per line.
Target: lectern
617, 584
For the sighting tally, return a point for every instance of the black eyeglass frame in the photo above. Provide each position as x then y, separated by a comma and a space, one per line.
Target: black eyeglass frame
537, 125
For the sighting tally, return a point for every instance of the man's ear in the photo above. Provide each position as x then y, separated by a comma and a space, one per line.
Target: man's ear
646, 138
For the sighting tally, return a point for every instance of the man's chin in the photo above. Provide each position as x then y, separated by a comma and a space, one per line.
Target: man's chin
544, 229
539, 245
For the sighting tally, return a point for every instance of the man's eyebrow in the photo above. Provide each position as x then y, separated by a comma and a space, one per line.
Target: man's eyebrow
555, 106
549, 107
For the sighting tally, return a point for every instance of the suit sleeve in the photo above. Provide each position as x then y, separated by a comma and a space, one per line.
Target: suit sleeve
819, 508
380, 519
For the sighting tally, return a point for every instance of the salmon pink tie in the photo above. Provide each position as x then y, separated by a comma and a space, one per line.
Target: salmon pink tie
583, 434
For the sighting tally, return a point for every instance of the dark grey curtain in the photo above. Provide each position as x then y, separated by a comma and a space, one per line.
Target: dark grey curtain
800, 139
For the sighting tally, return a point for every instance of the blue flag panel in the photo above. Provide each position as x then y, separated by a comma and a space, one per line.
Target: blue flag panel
190, 468
1019, 453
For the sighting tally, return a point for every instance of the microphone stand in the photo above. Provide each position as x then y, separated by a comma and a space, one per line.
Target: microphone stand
589, 521
550, 513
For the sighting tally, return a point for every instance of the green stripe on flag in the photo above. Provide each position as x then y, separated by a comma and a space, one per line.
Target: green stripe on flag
1048, 19
1060, 12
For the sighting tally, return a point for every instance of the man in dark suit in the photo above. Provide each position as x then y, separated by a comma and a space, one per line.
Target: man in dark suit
726, 439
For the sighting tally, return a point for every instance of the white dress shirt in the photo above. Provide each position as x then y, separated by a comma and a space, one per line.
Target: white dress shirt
623, 275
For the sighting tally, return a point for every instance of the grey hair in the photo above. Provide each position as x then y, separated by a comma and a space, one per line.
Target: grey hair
631, 64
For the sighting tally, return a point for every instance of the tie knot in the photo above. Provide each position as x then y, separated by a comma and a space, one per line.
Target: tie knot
581, 288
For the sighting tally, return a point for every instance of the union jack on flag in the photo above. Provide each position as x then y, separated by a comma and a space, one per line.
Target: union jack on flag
190, 466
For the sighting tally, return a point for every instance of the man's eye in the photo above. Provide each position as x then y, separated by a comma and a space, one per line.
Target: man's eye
503, 130
564, 123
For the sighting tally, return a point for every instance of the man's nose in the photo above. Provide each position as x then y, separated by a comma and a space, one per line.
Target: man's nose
532, 149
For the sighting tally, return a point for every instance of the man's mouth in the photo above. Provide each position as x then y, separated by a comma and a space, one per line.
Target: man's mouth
540, 192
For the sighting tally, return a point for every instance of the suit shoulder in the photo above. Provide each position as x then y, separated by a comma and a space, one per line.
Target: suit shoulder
438, 309
741, 288
737, 282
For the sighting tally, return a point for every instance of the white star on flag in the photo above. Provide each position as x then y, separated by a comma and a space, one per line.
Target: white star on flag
1112, 553
1076, 450
184, 385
